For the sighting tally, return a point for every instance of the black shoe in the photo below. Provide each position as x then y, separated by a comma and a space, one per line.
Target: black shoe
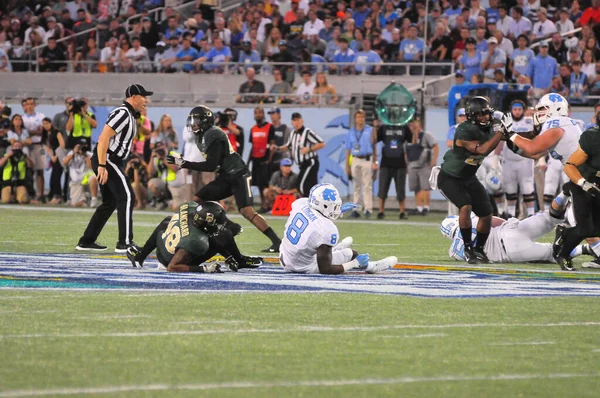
566, 263
403, 216
232, 264
480, 255
558, 239
425, 212
122, 247
380, 216
355, 214
272, 249
367, 214
252, 262
132, 252
90, 247
469, 254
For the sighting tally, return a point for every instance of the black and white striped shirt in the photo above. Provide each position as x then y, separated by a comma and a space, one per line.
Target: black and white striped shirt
304, 137
122, 120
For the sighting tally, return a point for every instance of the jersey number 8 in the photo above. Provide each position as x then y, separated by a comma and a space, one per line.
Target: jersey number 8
297, 226
172, 235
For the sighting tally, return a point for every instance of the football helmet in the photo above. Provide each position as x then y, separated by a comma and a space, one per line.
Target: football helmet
325, 199
493, 181
476, 109
209, 217
549, 106
449, 227
200, 119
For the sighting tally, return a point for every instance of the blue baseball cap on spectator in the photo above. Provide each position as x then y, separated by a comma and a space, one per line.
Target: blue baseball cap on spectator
461, 112
274, 110
459, 73
286, 162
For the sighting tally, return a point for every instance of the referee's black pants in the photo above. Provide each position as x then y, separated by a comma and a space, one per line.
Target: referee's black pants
309, 176
117, 193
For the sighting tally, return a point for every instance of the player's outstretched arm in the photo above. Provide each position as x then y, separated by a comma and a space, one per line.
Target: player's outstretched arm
210, 164
540, 144
181, 259
477, 148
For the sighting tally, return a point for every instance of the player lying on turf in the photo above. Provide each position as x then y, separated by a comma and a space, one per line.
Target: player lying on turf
310, 242
190, 237
510, 241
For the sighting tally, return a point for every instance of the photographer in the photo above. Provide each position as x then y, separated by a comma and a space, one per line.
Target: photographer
80, 123
168, 176
79, 161
4, 129
136, 172
15, 164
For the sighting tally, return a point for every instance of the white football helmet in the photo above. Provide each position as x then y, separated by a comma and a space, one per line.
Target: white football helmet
326, 199
549, 106
449, 227
493, 181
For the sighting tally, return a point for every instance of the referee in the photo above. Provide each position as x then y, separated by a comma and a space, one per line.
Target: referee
303, 145
109, 155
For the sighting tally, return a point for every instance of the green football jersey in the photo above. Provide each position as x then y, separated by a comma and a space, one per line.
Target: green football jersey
232, 163
458, 161
589, 142
181, 234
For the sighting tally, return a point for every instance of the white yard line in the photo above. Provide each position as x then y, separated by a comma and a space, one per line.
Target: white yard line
289, 384
104, 317
524, 343
414, 336
299, 329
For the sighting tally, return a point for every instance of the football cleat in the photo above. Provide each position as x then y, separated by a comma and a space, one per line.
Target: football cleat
470, 255
566, 263
591, 264
558, 239
480, 256
91, 247
376, 267
132, 252
271, 249
346, 243
252, 262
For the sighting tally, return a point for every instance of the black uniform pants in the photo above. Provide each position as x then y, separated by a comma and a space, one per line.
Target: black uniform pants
116, 194
308, 176
465, 191
586, 210
57, 172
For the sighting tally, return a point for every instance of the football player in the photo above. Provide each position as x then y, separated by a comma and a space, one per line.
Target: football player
233, 176
189, 238
510, 241
311, 241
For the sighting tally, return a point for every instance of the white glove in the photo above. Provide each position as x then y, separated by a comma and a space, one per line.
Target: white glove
589, 187
176, 159
498, 115
210, 268
507, 122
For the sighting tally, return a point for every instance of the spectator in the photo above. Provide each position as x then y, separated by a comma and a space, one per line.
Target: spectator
185, 57
201, 24
272, 43
361, 162
389, 14
282, 182
291, 15
5, 65
326, 34
33, 27
80, 124
315, 45
305, 90
89, 58
15, 165
452, 12
324, 92
564, 24
53, 30
482, 44
66, 20
235, 132
592, 44
343, 55
361, 13
84, 23
504, 44
388, 31
173, 28
589, 65
429, 18
441, 44
348, 30
470, 61
5, 44
356, 44
412, 48
125, 46
165, 134
520, 60
575, 12
236, 32
219, 54
165, 177
565, 73
81, 175
280, 87
15, 30
170, 54
59, 121
165, 24
421, 153
32, 121
221, 31
557, 48
544, 27
249, 58
333, 44
541, 70
520, 24
591, 14
313, 26
251, 86
285, 56
281, 136
461, 116
367, 56
137, 58
492, 60
110, 56
19, 133
578, 84
262, 136
56, 150
116, 30
459, 78
149, 35
499, 76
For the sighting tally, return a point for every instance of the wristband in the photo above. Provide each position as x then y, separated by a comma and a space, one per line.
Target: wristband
581, 181
102, 165
513, 137
350, 265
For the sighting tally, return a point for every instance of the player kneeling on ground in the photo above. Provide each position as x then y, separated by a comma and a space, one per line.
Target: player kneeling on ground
191, 237
511, 241
310, 243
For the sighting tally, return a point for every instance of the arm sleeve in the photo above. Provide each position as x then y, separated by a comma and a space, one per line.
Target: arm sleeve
116, 118
212, 162
586, 143
271, 136
313, 138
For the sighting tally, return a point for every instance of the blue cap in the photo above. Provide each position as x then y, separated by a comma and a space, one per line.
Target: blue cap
286, 162
461, 112
274, 110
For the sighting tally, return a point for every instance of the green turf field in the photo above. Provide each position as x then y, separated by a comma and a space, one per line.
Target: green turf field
147, 344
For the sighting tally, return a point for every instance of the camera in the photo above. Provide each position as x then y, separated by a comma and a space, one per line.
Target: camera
223, 119
77, 105
83, 149
160, 152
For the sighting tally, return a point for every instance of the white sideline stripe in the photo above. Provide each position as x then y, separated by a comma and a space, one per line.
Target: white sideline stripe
112, 317
414, 336
230, 215
300, 329
280, 384
525, 343
208, 322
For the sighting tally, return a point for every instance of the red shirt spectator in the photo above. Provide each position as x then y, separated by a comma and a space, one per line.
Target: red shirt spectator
592, 14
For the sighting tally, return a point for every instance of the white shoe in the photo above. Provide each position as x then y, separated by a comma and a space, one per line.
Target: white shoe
94, 202
346, 243
591, 264
381, 265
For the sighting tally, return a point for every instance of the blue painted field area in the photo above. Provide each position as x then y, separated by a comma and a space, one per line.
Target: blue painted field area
101, 272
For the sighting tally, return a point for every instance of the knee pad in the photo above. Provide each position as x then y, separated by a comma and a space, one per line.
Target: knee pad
548, 198
529, 198
498, 195
511, 196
